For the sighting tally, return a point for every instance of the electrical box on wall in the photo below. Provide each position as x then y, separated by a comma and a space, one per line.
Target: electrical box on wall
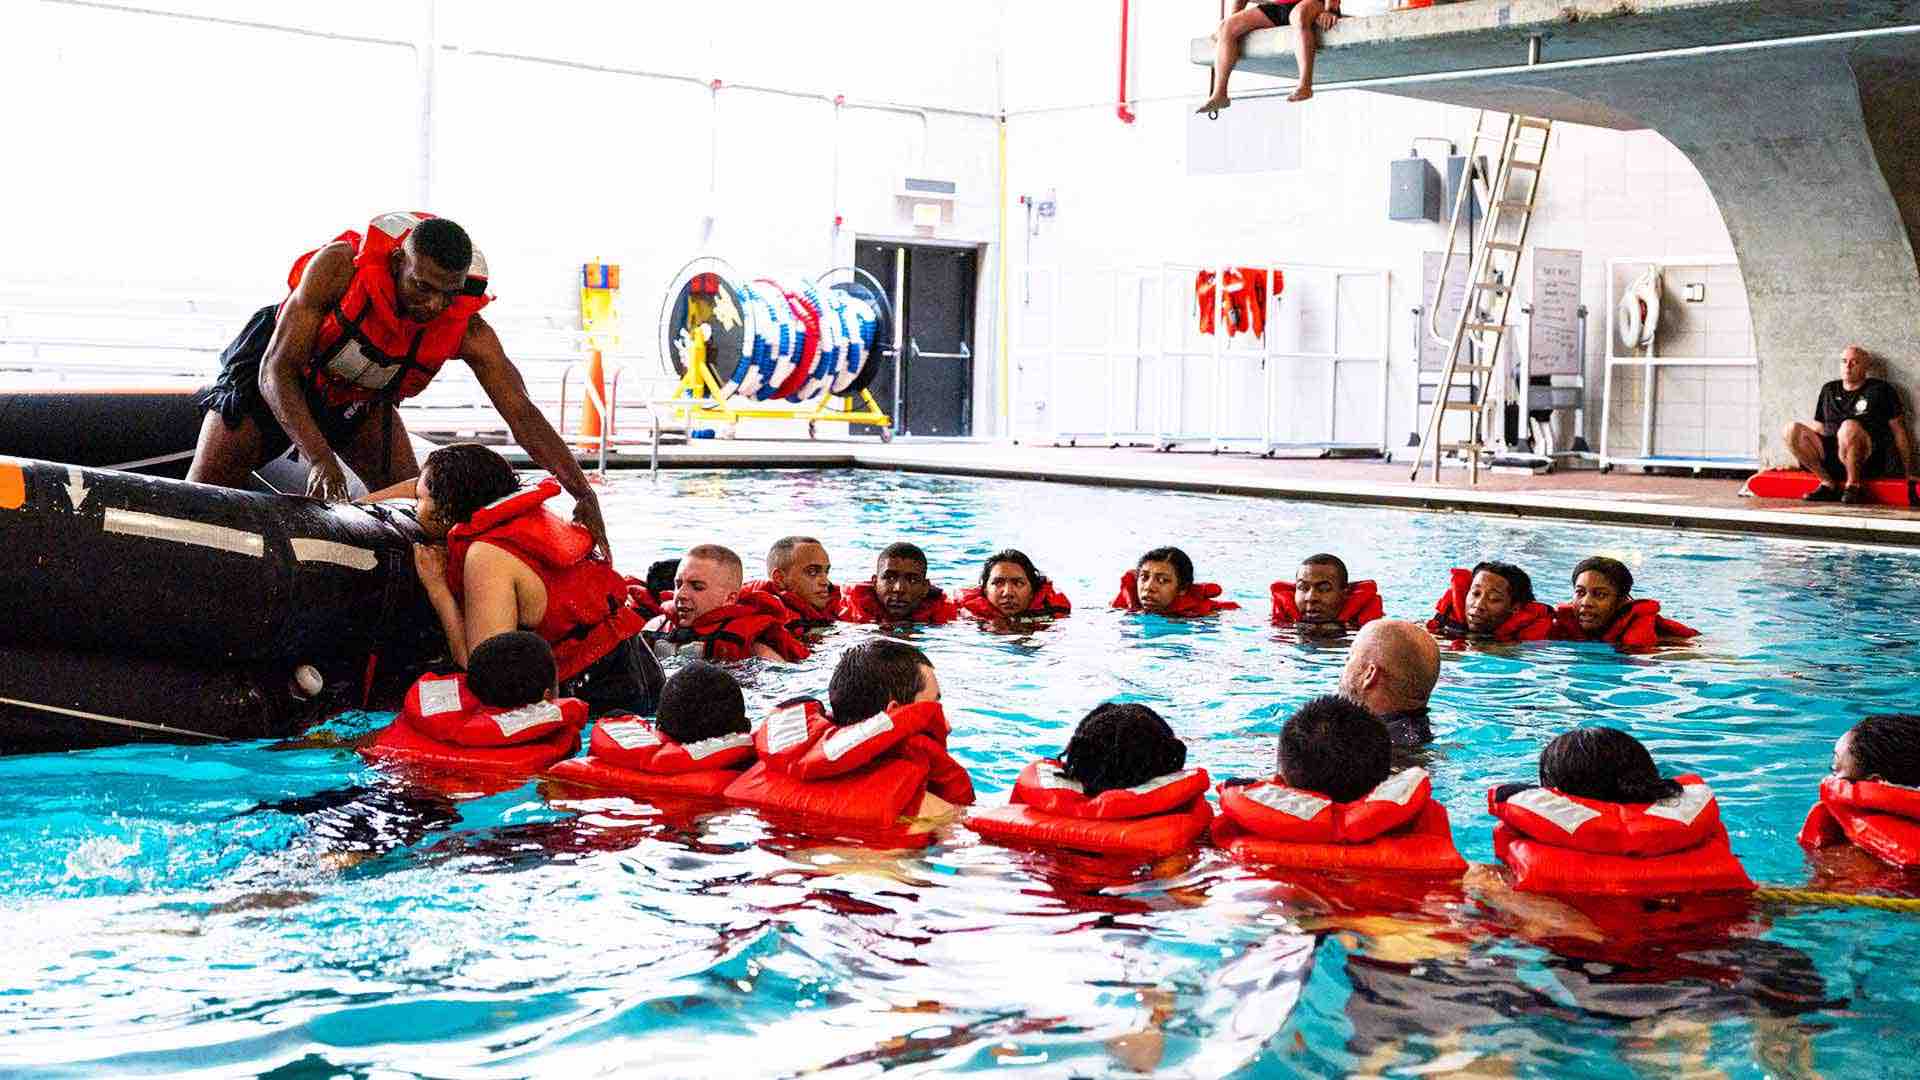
1413, 193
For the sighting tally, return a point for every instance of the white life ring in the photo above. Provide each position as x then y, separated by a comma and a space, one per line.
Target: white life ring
1639, 312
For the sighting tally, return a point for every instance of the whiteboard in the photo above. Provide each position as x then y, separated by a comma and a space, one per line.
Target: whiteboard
1553, 330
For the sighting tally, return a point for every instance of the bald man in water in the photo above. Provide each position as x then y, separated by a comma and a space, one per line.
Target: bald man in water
1392, 669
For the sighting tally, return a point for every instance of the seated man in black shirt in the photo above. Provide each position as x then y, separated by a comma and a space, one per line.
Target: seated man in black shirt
1859, 433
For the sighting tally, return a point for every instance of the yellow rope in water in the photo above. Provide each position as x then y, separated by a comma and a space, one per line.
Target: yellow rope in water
1837, 899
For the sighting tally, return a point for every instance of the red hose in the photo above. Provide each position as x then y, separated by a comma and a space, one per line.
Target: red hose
1120, 108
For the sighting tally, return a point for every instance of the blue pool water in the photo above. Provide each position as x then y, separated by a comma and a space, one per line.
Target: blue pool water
156, 919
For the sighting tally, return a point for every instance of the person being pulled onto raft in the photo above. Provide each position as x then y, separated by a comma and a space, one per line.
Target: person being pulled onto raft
1859, 433
371, 319
899, 592
1871, 800
1161, 583
1321, 601
1492, 602
800, 576
1014, 594
1605, 609
509, 563
708, 616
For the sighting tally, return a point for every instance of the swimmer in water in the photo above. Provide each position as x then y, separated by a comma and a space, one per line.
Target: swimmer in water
1492, 602
1013, 593
1161, 583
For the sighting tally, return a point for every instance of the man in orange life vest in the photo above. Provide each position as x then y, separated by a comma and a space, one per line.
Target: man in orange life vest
800, 575
370, 320
709, 617
899, 591
1391, 669
1320, 599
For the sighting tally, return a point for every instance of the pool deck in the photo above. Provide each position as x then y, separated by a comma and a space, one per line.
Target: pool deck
1617, 498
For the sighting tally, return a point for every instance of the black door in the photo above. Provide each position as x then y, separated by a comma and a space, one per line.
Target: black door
932, 289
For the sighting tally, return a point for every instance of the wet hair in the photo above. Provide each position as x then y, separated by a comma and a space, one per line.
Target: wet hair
780, 555
1119, 745
873, 675
660, 574
1605, 764
1182, 566
1034, 576
701, 701
1613, 570
447, 244
1518, 583
718, 554
511, 669
1888, 746
902, 550
1324, 559
464, 477
1333, 746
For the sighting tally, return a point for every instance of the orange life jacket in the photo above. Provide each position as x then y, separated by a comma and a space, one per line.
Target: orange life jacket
631, 756
1638, 625
1879, 818
1397, 827
364, 347
1161, 817
862, 777
803, 616
862, 605
1362, 605
1047, 603
1532, 621
730, 631
1200, 598
1244, 304
443, 727
1563, 844
588, 612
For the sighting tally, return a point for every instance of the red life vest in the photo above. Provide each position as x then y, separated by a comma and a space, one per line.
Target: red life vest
587, 603
1532, 621
443, 727
862, 605
641, 599
1563, 844
1395, 827
364, 347
802, 615
1879, 818
730, 631
627, 754
1362, 606
1161, 817
1047, 603
1638, 625
1200, 598
863, 777
1245, 302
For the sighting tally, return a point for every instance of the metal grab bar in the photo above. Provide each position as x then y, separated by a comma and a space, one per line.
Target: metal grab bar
964, 353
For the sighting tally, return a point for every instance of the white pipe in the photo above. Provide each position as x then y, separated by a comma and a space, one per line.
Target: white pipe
248, 24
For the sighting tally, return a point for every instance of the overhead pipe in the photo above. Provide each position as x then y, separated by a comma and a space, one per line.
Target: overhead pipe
1120, 107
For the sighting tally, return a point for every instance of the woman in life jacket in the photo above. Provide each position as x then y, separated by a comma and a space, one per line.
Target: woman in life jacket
1870, 803
1492, 602
709, 618
1121, 787
800, 576
1605, 609
1321, 600
1013, 593
509, 563
502, 716
1161, 583
874, 762
899, 592
698, 743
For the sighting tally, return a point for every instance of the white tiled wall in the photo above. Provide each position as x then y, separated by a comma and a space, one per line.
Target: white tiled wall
1698, 412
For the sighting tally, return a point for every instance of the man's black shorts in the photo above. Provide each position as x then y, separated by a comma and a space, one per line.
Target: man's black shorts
235, 394
1278, 14
1882, 460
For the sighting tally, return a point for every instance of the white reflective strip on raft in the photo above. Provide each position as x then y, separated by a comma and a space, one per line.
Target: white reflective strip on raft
706, 748
1555, 807
786, 729
1052, 779
514, 721
838, 743
630, 734
182, 531
1300, 804
311, 549
1159, 782
117, 721
397, 222
439, 696
1399, 787
1685, 806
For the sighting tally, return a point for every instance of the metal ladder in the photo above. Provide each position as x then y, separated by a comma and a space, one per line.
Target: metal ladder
1473, 358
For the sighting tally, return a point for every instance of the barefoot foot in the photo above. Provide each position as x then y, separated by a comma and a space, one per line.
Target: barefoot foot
1213, 104
1301, 94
